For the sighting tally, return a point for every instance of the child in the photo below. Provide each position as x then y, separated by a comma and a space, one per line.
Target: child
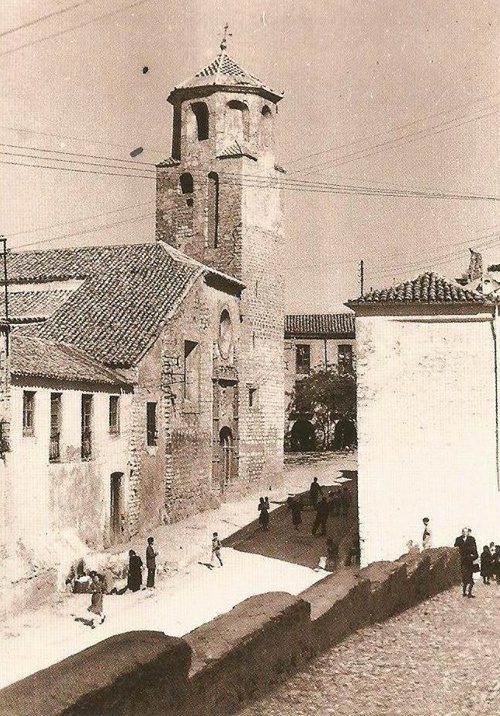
486, 564
96, 602
216, 545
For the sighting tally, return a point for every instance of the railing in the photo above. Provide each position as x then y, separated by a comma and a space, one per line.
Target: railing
86, 445
54, 448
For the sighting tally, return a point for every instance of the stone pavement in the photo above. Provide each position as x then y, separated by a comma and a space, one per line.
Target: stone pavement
440, 658
189, 595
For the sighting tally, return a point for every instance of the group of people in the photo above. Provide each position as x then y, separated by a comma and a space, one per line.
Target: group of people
135, 565
337, 503
489, 561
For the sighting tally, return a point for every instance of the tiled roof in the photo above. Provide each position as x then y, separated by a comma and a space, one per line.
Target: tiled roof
170, 162
236, 150
426, 288
119, 309
33, 357
320, 324
33, 305
224, 71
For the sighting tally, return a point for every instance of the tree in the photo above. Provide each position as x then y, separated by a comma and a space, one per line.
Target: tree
325, 396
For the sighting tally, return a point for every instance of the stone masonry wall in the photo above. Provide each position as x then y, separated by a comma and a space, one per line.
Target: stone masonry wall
217, 668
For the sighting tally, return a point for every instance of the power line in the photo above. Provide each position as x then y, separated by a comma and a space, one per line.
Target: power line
75, 27
45, 17
87, 231
75, 154
76, 139
82, 218
393, 129
263, 182
390, 144
74, 161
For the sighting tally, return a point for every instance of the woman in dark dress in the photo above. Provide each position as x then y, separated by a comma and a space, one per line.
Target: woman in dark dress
486, 564
264, 513
295, 505
134, 580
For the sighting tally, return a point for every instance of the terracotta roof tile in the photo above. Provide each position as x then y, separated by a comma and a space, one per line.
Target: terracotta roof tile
33, 305
426, 288
339, 325
236, 150
33, 357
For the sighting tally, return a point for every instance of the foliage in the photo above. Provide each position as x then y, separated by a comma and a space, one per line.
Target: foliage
325, 395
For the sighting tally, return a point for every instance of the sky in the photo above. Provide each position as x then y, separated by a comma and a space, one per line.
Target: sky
382, 94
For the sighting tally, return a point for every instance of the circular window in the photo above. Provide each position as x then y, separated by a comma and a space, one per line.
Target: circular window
225, 334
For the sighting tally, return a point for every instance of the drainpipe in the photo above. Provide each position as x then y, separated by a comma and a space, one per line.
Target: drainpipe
495, 367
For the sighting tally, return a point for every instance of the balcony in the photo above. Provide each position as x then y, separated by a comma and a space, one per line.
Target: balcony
54, 448
86, 445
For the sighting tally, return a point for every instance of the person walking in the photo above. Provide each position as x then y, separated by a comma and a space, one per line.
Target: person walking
332, 555
134, 577
314, 492
468, 553
295, 506
151, 556
263, 508
427, 534
97, 599
216, 547
486, 561
322, 512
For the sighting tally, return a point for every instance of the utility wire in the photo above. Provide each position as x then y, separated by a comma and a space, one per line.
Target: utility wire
75, 27
45, 17
74, 154
82, 218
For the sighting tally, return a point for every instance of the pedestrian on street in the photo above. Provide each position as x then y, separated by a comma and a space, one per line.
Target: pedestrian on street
263, 508
336, 502
322, 512
314, 492
216, 547
134, 577
427, 534
332, 555
345, 500
468, 553
151, 556
486, 561
295, 506
496, 562
96, 600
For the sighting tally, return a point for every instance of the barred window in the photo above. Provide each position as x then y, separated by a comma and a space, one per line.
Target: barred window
28, 412
114, 414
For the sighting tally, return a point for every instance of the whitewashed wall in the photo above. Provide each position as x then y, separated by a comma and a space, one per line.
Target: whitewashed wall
426, 425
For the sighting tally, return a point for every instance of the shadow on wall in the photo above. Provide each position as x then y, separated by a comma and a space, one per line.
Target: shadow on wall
236, 657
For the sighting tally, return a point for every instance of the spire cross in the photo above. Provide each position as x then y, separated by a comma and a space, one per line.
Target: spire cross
227, 34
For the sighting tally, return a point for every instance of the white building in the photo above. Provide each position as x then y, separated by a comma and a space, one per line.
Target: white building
428, 415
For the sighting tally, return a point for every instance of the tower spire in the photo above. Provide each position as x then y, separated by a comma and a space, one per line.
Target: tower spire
227, 34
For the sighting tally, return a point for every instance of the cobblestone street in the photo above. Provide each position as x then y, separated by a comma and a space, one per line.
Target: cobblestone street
440, 658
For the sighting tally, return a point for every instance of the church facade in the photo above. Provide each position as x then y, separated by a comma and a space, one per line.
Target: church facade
184, 334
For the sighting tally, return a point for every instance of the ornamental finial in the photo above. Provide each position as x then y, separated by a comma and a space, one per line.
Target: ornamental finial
227, 34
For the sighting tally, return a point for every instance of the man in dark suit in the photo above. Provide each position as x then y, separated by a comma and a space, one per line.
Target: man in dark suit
468, 553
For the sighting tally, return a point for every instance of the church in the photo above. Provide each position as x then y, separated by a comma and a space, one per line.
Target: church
144, 382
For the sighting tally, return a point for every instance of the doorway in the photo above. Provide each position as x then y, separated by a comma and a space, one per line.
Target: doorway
226, 447
116, 499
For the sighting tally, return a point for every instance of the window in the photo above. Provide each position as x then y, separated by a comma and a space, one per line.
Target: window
238, 126
114, 414
28, 412
252, 397
345, 359
225, 334
213, 209
200, 110
151, 431
86, 427
186, 183
55, 426
267, 130
191, 377
303, 359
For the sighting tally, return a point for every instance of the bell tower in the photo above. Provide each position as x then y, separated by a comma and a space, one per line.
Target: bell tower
218, 201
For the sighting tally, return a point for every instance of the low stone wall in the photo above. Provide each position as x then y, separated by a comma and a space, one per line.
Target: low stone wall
217, 668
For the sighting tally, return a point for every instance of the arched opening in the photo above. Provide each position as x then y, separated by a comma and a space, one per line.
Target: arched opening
302, 436
226, 446
213, 209
225, 334
200, 110
116, 505
186, 183
267, 130
238, 122
345, 434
